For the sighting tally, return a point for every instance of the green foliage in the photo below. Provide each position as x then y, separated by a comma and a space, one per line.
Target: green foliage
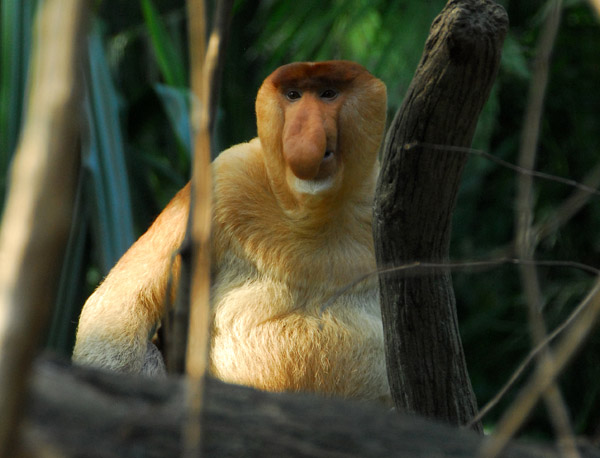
168, 55
176, 104
70, 292
16, 18
385, 36
104, 160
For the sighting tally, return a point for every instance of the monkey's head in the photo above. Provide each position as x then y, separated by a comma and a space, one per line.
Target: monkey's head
320, 125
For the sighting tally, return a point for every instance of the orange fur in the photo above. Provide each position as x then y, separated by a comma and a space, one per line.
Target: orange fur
291, 227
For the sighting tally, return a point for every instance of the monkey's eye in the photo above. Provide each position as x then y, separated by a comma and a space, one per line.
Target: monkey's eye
329, 94
293, 94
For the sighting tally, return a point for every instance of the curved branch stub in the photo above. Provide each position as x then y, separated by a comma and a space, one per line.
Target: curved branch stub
415, 198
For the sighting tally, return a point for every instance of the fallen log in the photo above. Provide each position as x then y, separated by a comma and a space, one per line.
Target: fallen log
75, 411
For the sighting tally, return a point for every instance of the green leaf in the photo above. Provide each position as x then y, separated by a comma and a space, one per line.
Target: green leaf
513, 59
104, 160
170, 60
176, 104
72, 277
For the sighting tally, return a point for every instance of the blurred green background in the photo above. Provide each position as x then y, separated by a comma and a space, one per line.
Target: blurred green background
135, 149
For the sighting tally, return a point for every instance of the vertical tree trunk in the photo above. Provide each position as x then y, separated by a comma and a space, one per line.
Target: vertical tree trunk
415, 198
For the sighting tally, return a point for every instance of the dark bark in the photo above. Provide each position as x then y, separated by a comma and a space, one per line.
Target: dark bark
415, 198
80, 412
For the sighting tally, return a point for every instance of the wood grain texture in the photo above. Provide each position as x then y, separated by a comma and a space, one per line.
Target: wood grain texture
74, 411
414, 202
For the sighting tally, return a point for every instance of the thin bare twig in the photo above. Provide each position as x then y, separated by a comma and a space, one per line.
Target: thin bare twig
545, 375
584, 190
525, 243
204, 74
200, 221
527, 361
201, 192
418, 268
595, 4
38, 210
587, 187
569, 207
204, 68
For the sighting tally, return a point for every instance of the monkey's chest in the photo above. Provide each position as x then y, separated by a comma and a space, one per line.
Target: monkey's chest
258, 342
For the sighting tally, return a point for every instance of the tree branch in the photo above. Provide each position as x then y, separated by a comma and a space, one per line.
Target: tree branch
414, 202
37, 215
81, 412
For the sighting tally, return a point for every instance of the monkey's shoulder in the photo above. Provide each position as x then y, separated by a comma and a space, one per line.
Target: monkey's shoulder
239, 166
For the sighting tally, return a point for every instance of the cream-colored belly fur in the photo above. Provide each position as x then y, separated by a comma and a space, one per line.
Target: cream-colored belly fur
338, 351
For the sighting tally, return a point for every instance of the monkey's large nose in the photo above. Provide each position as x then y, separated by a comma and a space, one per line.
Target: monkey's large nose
305, 150
311, 165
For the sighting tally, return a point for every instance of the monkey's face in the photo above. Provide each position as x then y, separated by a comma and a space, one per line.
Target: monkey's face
320, 125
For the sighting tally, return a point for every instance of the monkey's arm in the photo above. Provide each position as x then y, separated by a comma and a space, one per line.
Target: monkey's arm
117, 319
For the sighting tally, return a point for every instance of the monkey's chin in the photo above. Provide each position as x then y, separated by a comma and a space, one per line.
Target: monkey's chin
312, 187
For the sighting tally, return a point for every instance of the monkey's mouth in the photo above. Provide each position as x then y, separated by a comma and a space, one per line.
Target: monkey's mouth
324, 179
313, 187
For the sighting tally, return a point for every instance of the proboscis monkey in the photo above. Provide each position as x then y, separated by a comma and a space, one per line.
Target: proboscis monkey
291, 228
